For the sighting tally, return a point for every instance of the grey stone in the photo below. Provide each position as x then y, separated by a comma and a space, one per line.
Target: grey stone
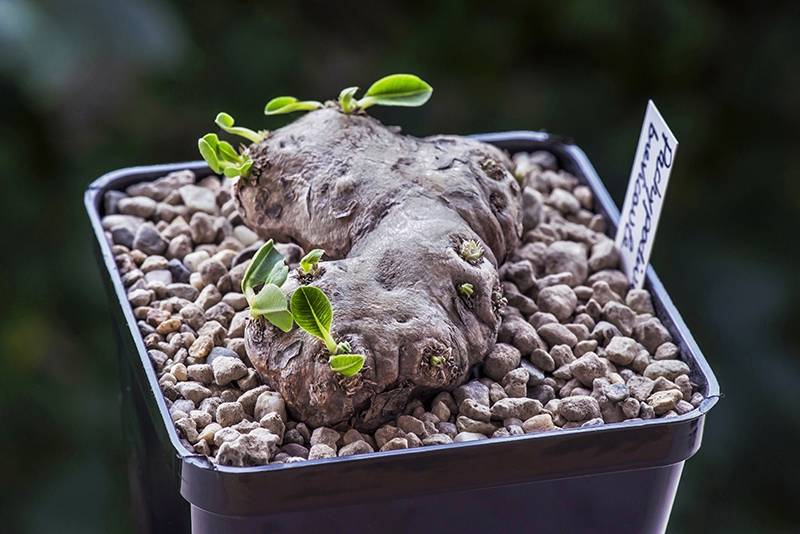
557, 334
669, 369
248, 399
475, 410
229, 413
630, 408
238, 323
472, 390
437, 439
221, 313
408, 423
562, 355
395, 444
542, 360
515, 383
523, 303
270, 401
211, 270
597, 421
640, 387
651, 333
208, 297
111, 201
326, 436
356, 447
544, 393
564, 201
468, 436
184, 291
604, 332
521, 273
541, 318
559, 300
444, 427
620, 316
148, 240
554, 280
662, 384
539, 423
387, 433
500, 360
467, 424
520, 408
567, 256
123, 228
193, 391
587, 368
320, 451
193, 316
180, 273
237, 301
193, 260
139, 297
295, 449
639, 301
579, 408
202, 227
622, 350
199, 199
616, 392
179, 247
532, 201
602, 293
200, 372
666, 351
616, 279
160, 188
664, 401
139, 206
519, 333
161, 276
604, 256
683, 407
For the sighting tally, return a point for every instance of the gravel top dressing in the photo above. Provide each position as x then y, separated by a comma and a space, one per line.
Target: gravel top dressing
574, 346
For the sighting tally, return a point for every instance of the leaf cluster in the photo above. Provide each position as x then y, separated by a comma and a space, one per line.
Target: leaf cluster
310, 307
395, 90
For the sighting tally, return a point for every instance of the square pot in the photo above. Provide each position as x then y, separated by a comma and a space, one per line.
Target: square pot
611, 478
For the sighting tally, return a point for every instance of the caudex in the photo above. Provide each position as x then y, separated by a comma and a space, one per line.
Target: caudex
413, 231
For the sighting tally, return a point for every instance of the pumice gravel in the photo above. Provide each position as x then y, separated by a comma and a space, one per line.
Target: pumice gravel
575, 348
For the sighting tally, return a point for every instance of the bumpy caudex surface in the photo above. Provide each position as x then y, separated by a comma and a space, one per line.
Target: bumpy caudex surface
406, 223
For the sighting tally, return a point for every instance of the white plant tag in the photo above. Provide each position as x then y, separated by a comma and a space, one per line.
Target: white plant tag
645, 196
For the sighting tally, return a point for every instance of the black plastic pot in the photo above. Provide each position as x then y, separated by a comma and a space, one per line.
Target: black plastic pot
612, 478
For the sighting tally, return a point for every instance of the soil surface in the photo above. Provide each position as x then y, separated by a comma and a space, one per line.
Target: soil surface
574, 347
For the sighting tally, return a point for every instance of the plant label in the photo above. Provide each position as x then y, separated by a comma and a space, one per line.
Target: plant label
641, 210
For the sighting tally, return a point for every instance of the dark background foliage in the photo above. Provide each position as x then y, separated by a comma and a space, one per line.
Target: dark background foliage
89, 86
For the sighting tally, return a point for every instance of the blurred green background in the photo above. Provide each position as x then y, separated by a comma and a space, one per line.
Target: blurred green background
89, 86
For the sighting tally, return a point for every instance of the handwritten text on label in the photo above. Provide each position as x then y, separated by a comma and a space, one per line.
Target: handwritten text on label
645, 196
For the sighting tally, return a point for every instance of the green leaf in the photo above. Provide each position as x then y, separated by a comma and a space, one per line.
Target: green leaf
278, 274
288, 104
209, 155
228, 153
270, 303
347, 364
263, 264
225, 122
313, 313
397, 90
311, 259
346, 99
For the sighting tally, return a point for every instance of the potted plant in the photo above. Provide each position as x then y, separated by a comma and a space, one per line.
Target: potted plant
444, 294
